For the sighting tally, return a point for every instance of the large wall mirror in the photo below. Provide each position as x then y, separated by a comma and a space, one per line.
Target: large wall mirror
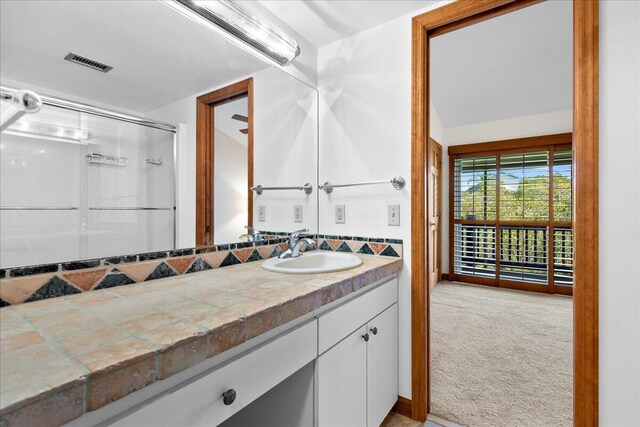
110, 164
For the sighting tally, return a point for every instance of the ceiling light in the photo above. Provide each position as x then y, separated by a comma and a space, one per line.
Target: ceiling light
244, 29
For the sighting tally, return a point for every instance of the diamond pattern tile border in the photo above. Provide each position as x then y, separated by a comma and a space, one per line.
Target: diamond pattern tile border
34, 283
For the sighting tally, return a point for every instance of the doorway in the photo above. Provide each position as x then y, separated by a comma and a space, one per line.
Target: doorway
585, 221
219, 136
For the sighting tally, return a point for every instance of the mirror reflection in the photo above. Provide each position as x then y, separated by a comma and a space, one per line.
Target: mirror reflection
104, 151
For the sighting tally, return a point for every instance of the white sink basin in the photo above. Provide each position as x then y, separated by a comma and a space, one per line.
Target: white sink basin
313, 262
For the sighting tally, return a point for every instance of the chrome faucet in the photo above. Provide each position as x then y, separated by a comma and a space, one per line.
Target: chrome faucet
295, 243
252, 235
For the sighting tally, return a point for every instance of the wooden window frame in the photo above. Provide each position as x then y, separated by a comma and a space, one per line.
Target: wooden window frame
457, 15
549, 143
205, 105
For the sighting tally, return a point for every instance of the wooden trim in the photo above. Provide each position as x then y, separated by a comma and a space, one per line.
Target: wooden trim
474, 280
512, 144
420, 336
205, 161
585, 214
454, 12
250, 152
525, 286
403, 407
204, 170
480, 17
444, 276
585, 133
563, 290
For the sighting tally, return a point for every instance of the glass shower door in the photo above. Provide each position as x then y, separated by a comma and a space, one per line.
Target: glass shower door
129, 189
40, 178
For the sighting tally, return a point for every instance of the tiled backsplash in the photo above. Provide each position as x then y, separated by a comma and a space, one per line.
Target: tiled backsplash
360, 245
33, 283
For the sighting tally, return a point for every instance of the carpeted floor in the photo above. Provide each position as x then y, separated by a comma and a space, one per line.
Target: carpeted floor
501, 357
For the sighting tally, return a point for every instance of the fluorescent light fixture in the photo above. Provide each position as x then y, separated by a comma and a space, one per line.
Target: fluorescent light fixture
228, 19
49, 132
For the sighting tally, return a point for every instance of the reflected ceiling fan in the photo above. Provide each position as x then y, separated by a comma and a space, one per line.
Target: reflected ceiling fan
241, 119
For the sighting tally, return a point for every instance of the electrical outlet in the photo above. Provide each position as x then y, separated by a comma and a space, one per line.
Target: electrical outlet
262, 213
340, 214
393, 212
297, 213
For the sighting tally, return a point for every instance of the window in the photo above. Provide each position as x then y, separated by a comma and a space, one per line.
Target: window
511, 214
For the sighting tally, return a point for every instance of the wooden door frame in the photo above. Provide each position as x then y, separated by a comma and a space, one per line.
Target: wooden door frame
205, 105
585, 130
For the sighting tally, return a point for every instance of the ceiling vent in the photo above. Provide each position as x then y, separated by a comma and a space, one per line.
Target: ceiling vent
82, 60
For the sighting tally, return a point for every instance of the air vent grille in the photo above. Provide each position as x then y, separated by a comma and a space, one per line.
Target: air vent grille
87, 62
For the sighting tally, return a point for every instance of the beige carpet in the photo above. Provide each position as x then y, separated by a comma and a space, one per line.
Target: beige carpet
500, 357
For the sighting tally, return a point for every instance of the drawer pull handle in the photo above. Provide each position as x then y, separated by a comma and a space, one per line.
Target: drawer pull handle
374, 330
365, 337
229, 396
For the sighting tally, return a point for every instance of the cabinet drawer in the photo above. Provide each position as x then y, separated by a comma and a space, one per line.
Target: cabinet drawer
338, 323
200, 402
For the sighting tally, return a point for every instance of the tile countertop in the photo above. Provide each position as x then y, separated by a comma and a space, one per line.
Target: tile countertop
62, 357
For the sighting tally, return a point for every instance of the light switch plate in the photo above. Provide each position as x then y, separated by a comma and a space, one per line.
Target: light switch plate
340, 214
297, 213
393, 212
262, 213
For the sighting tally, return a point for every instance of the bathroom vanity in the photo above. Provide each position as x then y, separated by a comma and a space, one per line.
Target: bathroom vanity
323, 344
355, 377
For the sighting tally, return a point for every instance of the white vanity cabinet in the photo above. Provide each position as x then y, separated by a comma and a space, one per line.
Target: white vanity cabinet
338, 365
357, 377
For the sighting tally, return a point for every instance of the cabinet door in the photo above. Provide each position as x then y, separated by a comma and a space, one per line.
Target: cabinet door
342, 383
382, 365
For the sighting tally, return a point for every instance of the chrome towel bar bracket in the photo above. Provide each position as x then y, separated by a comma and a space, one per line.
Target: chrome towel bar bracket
307, 188
398, 183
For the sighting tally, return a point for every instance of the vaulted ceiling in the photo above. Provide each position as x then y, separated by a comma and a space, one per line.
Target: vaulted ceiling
517, 64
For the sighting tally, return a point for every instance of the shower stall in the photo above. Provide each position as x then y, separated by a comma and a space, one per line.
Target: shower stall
81, 182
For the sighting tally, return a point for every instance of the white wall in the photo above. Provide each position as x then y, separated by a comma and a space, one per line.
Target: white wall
231, 189
285, 151
365, 134
513, 127
436, 131
495, 130
619, 213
